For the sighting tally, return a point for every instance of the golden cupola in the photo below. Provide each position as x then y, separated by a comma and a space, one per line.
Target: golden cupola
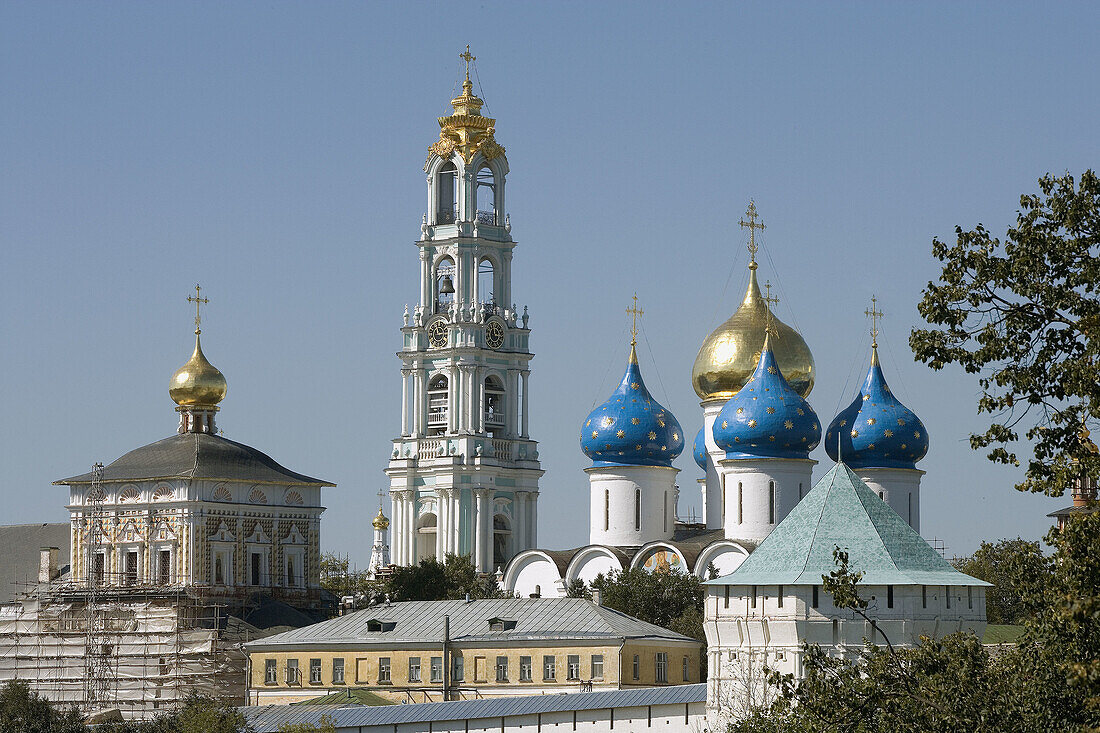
729, 355
380, 522
197, 387
467, 131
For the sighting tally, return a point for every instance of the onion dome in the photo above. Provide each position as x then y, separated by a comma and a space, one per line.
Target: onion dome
730, 353
380, 522
631, 428
767, 417
876, 430
699, 451
198, 383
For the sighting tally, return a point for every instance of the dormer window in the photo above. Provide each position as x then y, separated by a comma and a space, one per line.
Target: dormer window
378, 626
501, 624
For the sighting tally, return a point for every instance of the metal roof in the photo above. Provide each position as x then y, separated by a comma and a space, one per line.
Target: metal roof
421, 622
842, 511
19, 554
197, 456
268, 719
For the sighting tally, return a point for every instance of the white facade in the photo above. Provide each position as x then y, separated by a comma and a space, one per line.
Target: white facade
750, 626
464, 472
631, 505
898, 487
757, 493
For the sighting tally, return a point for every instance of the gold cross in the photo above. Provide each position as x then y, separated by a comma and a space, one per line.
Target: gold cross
875, 314
468, 57
770, 300
753, 226
634, 312
199, 301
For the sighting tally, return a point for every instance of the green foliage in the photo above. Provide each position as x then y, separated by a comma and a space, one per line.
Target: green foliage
326, 725
1015, 568
668, 598
23, 711
577, 589
1024, 314
433, 580
338, 578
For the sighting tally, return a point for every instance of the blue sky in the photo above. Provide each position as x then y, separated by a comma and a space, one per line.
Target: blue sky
273, 153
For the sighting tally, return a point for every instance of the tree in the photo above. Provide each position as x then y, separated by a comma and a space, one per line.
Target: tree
668, 598
432, 580
578, 589
1008, 565
325, 725
23, 711
1024, 314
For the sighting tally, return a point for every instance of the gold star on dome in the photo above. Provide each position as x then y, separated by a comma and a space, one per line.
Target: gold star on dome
903, 446
888, 433
664, 447
740, 410
771, 370
901, 423
588, 423
725, 424
800, 411
675, 436
813, 427
634, 385
843, 423
916, 434
637, 447
870, 421
855, 433
652, 435
660, 423
788, 425
771, 437
752, 423
770, 410
619, 434
871, 446
634, 421
608, 422
736, 439
595, 434
866, 397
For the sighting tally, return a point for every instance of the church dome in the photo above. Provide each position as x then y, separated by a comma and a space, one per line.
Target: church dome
730, 353
380, 522
767, 417
631, 428
699, 450
876, 430
198, 382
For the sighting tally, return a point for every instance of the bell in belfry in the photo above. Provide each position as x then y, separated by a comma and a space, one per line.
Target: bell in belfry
446, 287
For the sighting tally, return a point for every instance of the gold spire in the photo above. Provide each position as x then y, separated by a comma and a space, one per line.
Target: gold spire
634, 312
729, 355
467, 131
380, 521
752, 226
198, 383
875, 314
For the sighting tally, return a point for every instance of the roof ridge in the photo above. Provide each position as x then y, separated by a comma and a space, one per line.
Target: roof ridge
817, 524
867, 509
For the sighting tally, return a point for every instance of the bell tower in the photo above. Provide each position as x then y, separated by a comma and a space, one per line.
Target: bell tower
464, 472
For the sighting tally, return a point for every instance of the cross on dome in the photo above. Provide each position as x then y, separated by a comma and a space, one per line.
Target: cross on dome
199, 301
634, 312
770, 300
752, 226
467, 57
875, 314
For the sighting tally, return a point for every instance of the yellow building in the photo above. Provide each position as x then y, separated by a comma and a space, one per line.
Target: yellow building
434, 650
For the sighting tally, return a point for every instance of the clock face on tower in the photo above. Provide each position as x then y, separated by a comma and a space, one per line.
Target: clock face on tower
494, 335
437, 334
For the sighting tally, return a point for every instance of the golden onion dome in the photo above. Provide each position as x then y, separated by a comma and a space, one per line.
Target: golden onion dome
198, 382
730, 353
380, 522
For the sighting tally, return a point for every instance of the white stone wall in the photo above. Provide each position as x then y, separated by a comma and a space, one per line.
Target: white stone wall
747, 488
898, 487
631, 505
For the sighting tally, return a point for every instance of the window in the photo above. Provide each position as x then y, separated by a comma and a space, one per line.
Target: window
909, 519
947, 595
219, 569
740, 503
637, 509
256, 566
889, 596
924, 596
638, 667
815, 597
294, 567
486, 196
291, 671
271, 672
315, 671
665, 524
723, 502
597, 667
131, 567
338, 671
726, 597
414, 669
447, 194
494, 401
384, 669
502, 669
501, 539
437, 669
661, 667
525, 669
99, 568
779, 595
687, 669
771, 502
800, 491
573, 667
164, 567
970, 597
606, 509
458, 672
753, 603
438, 397
549, 668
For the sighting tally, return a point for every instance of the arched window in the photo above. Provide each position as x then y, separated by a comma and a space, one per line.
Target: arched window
486, 196
771, 502
446, 186
444, 283
486, 292
494, 406
425, 536
637, 509
502, 540
437, 405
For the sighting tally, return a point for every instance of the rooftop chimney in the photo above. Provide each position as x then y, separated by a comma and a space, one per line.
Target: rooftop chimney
47, 564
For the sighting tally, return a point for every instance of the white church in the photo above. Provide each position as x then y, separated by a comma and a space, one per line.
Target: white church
464, 473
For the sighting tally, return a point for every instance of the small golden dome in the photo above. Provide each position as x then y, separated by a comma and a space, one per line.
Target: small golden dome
198, 382
380, 522
730, 353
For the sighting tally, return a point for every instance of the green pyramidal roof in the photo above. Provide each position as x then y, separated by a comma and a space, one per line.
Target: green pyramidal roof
842, 511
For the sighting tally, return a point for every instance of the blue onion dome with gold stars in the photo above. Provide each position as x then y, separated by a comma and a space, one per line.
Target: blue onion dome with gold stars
631, 428
767, 418
699, 450
876, 430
